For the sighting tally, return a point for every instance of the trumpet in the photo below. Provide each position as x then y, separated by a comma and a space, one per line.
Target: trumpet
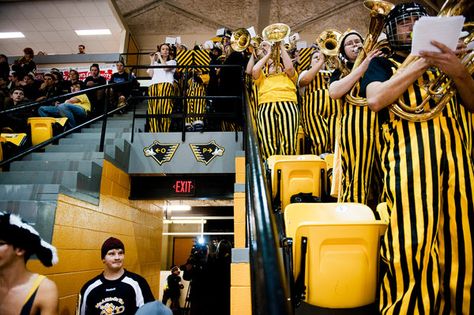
328, 45
274, 34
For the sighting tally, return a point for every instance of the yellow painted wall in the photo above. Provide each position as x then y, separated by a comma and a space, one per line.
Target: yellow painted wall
80, 229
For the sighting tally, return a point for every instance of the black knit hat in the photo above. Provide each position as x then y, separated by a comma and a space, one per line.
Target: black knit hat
14, 231
111, 243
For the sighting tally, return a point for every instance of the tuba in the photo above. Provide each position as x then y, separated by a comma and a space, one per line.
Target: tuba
328, 45
274, 34
240, 39
441, 89
379, 9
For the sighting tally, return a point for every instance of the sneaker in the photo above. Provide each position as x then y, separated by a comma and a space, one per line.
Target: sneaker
198, 125
189, 127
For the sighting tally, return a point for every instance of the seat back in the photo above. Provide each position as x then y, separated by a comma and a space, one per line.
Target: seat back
42, 128
300, 141
342, 259
299, 174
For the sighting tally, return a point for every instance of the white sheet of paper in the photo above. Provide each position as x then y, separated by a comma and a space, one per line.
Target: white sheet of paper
301, 44
444, 29
170, 40
252, 32
178, 40
220, 32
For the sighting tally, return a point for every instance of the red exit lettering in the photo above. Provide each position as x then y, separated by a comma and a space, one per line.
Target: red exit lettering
183, 186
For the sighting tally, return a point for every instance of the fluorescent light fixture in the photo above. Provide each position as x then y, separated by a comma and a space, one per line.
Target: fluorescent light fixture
178, 207
4, 35
196, 221
104, 31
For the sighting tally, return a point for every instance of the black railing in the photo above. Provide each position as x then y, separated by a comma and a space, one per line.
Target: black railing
269, 283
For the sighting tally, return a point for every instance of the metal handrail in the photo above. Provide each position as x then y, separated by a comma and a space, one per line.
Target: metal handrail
270, 289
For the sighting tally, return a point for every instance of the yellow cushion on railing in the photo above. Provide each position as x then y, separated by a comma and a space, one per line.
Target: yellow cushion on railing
42, 128
16, 138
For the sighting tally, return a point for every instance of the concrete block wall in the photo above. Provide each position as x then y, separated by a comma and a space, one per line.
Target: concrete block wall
80, 229
240, 293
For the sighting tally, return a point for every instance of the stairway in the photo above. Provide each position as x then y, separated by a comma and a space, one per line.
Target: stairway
72, 167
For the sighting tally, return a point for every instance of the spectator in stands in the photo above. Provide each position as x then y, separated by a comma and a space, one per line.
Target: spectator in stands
30, 86
25, 64
14, 80
161, 85
121, 93
73, 79
76, 108
17, 121
21, 291
4, 67
63, 87
95, 79
115, 290
3, 92
48, 88
81, 49
230, 85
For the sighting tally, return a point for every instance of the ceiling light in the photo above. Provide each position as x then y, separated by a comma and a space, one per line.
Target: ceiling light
188, 221
178, 207
11, 35
104, 31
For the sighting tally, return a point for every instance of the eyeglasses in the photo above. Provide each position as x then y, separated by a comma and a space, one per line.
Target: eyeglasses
353, 42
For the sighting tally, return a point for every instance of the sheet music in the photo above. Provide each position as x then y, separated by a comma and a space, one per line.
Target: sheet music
445, 29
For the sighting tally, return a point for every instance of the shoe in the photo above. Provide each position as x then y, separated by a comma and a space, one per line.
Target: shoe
189, 127
198, 125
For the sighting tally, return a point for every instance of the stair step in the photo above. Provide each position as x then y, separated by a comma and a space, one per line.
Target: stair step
30, 192
66, 178
85, 141
109, 129
86, 167
66, 156
73, 148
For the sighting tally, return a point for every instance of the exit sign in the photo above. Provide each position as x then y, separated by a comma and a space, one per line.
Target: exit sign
184, 187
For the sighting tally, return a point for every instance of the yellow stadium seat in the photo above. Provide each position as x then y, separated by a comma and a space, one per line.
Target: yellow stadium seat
42, 128
342, 257
294, 174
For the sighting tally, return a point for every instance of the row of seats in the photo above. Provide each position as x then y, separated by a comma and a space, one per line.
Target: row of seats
335, 246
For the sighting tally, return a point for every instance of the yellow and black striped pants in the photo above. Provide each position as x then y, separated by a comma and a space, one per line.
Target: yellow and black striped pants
196, 106
428, 247
277, 125
314, 121
357, 144
160, 106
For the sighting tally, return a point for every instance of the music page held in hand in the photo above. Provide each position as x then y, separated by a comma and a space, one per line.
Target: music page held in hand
444, 29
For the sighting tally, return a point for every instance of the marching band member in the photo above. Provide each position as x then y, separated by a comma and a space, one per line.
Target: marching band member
161, 85
313, 87
358, 123
278, 114
428, 246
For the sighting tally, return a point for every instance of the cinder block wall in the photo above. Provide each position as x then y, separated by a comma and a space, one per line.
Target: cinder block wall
80, 229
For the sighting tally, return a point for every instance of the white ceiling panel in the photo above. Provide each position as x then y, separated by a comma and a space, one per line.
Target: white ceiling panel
67, 8
35, 37
23, 24
42, 25
47, 9
52, 37
95, 22
88, 9
59, 24
29, 10
77, 23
